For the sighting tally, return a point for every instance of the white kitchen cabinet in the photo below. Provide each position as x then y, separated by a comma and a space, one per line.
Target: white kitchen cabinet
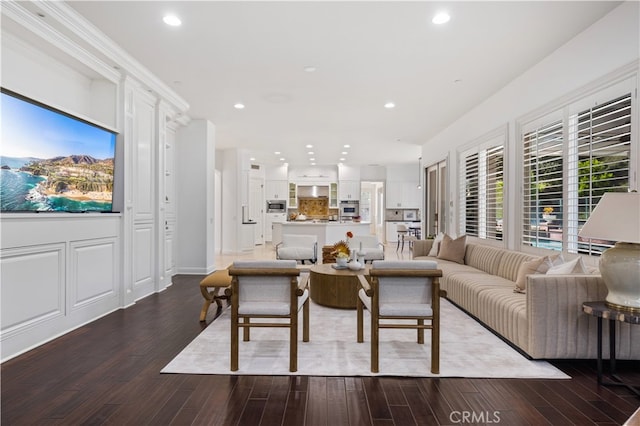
270, 219
276, 190
293, 196
404, 195
333, 195
349, 190
247, 237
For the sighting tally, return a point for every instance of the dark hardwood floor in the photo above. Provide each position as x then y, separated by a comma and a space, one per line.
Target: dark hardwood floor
107, 372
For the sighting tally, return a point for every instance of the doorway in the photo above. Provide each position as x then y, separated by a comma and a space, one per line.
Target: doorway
435, 196
372, 206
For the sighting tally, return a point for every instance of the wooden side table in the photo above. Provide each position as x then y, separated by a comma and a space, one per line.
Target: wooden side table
336, 288
602, 310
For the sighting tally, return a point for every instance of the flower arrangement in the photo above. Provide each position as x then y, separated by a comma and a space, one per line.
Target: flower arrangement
341, 250
548, 210
349, 234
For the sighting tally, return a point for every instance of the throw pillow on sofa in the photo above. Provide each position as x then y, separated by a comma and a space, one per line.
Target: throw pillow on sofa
575, 266
453, 250
435, 248
534, 266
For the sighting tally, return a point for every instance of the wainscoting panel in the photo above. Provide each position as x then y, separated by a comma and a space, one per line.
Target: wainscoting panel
143, 262
34, 276
93, 265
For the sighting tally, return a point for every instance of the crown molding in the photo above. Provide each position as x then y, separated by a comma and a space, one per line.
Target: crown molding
88, 33
25, 18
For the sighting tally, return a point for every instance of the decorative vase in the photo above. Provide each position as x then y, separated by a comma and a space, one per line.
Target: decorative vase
620, 269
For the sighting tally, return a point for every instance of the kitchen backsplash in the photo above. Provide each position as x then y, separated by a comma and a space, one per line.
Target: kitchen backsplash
314, 208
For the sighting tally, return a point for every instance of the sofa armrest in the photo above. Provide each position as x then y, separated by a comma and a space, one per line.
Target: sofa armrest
421, 248
557, 326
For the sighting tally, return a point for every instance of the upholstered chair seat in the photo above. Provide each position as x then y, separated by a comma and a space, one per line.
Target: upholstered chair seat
371, 247
298, 247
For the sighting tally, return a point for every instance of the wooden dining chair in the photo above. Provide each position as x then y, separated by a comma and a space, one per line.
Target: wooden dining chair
268, 292
401, 291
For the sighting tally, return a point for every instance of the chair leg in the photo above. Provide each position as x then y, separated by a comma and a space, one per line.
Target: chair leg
245, 331
435, 344
375, 336
234, 338
398, 245
293, 343
359, 307
305, 321
421, 332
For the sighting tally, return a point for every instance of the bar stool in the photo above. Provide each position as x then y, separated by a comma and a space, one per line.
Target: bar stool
402, 233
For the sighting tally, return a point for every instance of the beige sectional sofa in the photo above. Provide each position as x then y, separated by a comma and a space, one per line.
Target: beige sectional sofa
547, 321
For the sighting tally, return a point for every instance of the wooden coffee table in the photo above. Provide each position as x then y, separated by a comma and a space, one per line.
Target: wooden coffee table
336, 288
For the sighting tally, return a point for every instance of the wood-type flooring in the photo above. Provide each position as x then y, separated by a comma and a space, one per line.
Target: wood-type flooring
107, 372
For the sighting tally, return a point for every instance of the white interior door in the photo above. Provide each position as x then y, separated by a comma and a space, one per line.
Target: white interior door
218, 211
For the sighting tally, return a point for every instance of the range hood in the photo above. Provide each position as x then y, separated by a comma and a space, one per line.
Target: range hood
313, 191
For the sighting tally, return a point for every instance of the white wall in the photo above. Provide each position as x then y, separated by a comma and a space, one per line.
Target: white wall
195, 195
610, 44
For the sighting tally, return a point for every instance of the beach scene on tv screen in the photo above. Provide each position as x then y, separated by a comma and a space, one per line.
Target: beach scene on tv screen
53, 162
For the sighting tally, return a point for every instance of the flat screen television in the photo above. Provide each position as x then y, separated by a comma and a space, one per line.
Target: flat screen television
51, 161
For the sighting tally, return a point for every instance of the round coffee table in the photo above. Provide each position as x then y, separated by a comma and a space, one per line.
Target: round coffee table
336, 288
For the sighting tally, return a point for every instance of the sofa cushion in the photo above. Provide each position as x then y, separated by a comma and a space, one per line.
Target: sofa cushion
510, 264
451, 249
484, 258
436, 244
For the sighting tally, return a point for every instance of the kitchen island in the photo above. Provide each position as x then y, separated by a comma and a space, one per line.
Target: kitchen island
327, 232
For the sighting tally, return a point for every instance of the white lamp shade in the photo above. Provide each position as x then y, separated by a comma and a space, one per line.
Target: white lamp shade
615, 218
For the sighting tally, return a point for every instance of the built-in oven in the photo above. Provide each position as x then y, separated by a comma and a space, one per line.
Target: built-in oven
276, 206
349, 209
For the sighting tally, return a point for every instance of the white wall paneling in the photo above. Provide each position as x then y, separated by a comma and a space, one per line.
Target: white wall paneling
93, 267
143, 261
36, 277
88, 264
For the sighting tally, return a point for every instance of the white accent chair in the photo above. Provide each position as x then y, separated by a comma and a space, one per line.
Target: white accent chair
298, 247
268, 290
372, 248
401, 291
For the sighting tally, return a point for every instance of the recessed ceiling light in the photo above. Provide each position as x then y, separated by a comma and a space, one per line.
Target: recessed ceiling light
441, 18
277, 153
310, 68
310, 152
252, 159
346, 146
342, 159
344, 152
312, 159
282, 159
309, 146
238, 106
313, 164
389, 105
172, 20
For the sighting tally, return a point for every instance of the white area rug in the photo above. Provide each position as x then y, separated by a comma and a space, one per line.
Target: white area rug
467, 349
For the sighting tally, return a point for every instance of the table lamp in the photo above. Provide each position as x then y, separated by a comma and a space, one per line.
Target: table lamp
617, 218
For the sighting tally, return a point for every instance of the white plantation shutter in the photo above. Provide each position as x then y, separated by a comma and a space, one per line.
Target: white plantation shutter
601, 142
568, 164
481, 190
542, 186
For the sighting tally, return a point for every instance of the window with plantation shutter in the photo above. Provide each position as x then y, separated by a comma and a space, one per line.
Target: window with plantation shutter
542, 192
599, 153
481, 191
568, 164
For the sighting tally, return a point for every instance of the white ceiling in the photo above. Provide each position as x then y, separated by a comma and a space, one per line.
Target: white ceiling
366, 54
